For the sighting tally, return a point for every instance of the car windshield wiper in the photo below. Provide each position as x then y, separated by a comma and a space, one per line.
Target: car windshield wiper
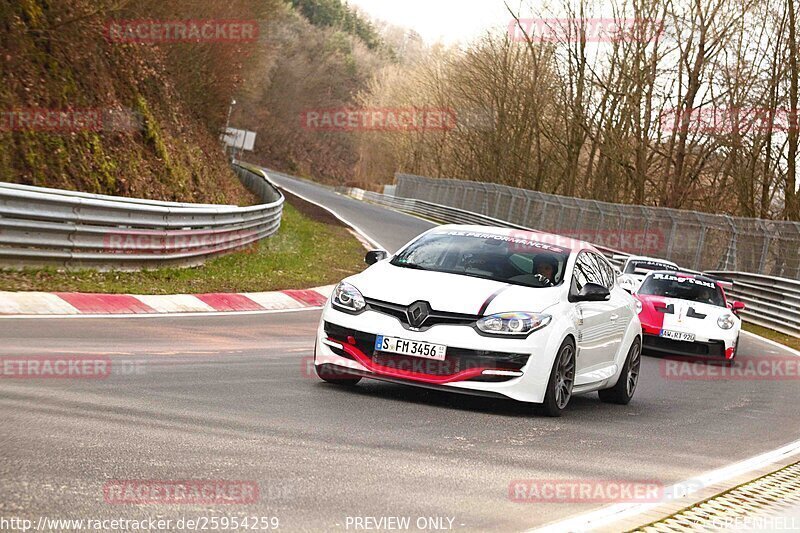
410, 265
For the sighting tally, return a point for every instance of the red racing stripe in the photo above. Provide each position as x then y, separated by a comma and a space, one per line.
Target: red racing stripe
310, 298
367, 362
229, 302
113, 304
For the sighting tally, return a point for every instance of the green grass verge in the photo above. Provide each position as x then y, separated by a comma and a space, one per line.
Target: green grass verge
304, 253
787, 340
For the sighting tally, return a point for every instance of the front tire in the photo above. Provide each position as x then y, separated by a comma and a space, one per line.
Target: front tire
562, 378
622, 392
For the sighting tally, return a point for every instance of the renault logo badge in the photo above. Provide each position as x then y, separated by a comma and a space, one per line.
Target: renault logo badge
417, 313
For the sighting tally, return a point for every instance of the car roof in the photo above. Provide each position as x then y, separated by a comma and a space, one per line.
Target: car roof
686, 275
646, 258
566, 244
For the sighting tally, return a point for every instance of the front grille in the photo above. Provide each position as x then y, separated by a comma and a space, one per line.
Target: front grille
434, 318
456, 359
364, 341
710, 349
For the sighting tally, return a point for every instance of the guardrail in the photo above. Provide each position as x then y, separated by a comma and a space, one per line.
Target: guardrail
696, 240
771, 302
451, 215
40, 226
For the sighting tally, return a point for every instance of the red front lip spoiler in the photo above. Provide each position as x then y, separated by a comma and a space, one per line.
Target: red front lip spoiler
367, 362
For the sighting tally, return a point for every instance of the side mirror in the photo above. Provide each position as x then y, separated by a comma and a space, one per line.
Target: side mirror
373, 256
737, 306
592, 292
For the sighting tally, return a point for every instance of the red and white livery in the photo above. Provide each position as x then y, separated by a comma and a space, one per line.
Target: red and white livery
688, 315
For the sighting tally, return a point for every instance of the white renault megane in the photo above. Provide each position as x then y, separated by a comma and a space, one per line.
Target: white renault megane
490, 311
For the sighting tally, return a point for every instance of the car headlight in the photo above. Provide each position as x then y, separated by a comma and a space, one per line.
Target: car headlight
726, 321
639, 306
347, 298
512, 324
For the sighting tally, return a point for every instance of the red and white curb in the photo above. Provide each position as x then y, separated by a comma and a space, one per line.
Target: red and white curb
74, 303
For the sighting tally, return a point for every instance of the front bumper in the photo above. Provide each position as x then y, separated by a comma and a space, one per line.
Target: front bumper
512, 368
720, 349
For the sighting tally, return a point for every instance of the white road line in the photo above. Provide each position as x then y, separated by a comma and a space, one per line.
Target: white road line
332, 212
613, 513
608, 515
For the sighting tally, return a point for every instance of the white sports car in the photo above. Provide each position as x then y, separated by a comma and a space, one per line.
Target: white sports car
688, 315
487, 311
636, 267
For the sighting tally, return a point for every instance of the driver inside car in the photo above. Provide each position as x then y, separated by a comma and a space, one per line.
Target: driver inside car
545, 267
706, 296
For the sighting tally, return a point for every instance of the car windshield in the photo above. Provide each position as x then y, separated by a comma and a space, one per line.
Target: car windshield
684, 288
643, 266
504, 258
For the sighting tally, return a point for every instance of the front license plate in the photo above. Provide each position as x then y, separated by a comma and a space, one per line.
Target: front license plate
425, 350
677, 335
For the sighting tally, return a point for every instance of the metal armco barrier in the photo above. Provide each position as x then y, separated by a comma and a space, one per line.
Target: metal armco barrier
771, 302
451, 215
40, 226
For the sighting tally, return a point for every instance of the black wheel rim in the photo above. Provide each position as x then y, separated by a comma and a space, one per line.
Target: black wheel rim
634, 364
565, 376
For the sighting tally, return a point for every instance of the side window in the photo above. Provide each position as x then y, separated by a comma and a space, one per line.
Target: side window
611, 273
592, 268
585, 271
605, 270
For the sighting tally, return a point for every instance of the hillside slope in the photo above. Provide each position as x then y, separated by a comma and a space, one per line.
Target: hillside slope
152, 140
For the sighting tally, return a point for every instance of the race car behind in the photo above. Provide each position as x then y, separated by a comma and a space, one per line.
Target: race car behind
688, 315
636, 267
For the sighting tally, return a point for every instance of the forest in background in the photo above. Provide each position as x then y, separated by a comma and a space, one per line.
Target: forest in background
690, 107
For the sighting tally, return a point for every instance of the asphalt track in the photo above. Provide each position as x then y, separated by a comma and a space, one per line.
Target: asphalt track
232, 398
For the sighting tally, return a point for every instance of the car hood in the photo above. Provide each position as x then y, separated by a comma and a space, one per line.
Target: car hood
450, 292
680, 317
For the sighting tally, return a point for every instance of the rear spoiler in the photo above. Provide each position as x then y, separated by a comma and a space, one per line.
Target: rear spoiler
724, 282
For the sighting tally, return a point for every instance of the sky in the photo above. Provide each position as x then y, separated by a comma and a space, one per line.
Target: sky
448, 21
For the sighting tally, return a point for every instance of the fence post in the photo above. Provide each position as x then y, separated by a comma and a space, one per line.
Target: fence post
730, 254
672, 227
700, 244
